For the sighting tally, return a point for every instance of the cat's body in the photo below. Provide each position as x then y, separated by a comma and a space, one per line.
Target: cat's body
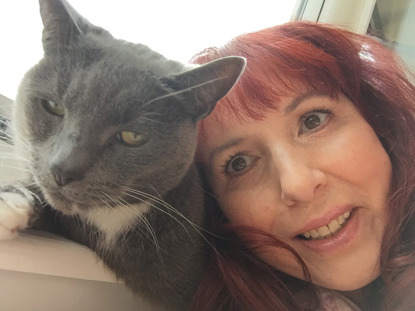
109, 129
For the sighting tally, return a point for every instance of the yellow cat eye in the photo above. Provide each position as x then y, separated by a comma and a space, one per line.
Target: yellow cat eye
53, 108
130, 138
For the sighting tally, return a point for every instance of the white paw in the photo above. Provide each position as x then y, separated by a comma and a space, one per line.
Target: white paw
15, 212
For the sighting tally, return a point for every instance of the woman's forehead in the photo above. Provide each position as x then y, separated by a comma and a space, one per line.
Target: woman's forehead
241, 105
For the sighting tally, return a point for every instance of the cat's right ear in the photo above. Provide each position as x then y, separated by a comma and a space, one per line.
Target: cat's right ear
205, 85
62, 24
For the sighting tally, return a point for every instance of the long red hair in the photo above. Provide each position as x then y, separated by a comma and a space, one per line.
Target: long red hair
329, 59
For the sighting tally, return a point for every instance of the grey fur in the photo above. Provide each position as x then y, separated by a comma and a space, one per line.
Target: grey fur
84, 172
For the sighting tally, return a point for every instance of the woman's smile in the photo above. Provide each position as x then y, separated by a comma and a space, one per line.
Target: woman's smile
328, 229
324, 240
314, 174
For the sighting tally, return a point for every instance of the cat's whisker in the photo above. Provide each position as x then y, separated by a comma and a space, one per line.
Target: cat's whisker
34, 186
110, 199
29, 190
22, 141
148, 196
13, 167
197, 228
14, 151
158, 200
169, 208
135, 226
12, 156
152, 198
185, 90
104, 201
19, 148
152, 237
21, 152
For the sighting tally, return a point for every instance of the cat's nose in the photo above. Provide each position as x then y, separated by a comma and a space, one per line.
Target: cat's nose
64, 177
69, 163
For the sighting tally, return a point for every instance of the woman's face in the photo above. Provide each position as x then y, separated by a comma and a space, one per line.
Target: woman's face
314, 174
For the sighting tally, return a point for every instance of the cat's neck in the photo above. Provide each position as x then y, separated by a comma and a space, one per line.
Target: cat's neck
112, 221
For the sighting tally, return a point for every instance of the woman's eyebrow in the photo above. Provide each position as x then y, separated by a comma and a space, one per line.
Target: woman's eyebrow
298, 100
229, 144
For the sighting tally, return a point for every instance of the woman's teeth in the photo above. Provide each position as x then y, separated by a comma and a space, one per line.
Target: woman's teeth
327, 230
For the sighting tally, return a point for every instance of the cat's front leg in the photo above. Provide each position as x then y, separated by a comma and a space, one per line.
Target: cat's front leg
17, 209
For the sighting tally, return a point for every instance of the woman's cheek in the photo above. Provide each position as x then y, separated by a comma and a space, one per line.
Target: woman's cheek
249, 208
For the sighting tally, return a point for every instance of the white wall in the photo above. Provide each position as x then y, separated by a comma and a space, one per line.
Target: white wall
353, 15
178, 29
405, 41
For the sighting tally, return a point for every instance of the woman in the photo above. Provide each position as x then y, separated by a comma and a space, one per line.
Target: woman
311, 158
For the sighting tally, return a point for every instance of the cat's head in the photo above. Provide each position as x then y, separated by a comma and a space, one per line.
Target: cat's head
100, 115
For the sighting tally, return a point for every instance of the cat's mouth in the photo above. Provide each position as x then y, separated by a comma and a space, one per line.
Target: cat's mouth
61, 203
70, 201
80, 196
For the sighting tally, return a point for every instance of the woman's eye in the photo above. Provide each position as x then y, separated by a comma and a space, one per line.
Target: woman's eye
238, 163
130, 138
53, 108
313, 120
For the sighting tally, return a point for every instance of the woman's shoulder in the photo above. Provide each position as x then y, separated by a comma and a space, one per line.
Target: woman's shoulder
331, 300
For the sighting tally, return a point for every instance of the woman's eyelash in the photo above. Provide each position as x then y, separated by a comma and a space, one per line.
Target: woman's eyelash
229, 160
317, 110
314, 120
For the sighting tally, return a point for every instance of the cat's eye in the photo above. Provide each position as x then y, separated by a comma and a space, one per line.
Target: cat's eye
130, 138
53, 108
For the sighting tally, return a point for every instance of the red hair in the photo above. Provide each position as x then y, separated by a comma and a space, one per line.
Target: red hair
324, 58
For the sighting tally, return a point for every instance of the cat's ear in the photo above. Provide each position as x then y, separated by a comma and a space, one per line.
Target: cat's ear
61, 23
203, 86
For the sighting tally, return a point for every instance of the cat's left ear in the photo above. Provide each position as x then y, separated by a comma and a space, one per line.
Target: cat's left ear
62, 24
203, 86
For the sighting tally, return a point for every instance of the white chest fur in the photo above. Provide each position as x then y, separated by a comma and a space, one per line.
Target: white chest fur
112, 221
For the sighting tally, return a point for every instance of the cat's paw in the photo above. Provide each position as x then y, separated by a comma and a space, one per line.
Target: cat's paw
15, 212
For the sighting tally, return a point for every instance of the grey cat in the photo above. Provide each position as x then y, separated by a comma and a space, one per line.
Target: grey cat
109, 129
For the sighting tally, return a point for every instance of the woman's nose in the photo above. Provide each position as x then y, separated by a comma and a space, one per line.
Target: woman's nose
300, 177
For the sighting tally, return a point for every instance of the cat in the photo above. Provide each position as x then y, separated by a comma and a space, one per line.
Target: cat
109, 129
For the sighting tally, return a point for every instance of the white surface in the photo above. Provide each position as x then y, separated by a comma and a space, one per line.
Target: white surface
41, 271
47, 254
35, 292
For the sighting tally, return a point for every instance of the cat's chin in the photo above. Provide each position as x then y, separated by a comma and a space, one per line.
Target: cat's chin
63, 205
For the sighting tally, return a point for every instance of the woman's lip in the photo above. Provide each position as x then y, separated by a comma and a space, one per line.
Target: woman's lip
325, 220
338, 241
